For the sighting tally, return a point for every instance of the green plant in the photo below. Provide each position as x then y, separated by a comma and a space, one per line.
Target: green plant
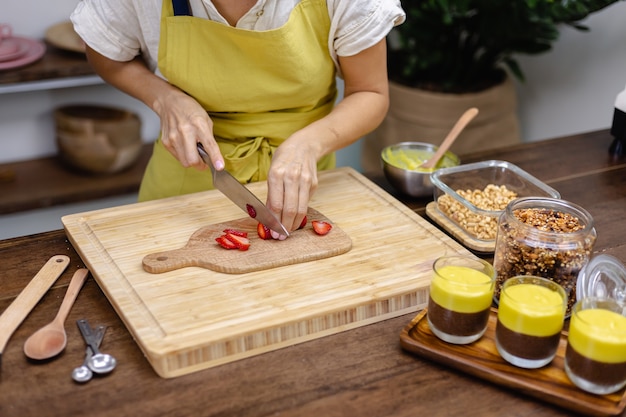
465, 45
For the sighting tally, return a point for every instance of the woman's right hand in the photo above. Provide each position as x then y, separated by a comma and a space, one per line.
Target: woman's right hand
184, 122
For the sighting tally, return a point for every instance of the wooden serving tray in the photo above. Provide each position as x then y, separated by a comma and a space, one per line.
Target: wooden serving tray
194, 318
455, 230
482, 359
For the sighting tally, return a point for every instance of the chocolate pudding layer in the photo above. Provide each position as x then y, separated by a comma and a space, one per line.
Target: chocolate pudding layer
601, 373
525, 346
455, 323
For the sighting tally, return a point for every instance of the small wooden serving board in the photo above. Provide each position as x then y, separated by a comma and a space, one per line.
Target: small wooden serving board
481, 359
202, 250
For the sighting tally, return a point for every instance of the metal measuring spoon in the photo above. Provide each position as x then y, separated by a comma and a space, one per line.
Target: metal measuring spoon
100, 363
83, 373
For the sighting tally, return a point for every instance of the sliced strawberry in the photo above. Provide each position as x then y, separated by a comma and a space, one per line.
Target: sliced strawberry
302, 223
242, 243
321, 227
225, 243
263, 231
236, 232
251, 211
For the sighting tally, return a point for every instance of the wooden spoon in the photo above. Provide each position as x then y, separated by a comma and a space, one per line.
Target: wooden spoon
51, 339
449, 140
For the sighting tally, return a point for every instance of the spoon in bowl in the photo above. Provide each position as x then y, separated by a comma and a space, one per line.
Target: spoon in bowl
51, 339
449, 140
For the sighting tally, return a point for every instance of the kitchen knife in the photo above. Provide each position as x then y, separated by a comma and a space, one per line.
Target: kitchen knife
242, 197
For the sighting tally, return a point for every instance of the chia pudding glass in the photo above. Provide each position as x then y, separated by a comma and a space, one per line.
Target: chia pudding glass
595, 357
461, 293
531, 313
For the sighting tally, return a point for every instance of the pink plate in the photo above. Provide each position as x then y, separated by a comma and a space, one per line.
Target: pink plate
10, 49
31, 50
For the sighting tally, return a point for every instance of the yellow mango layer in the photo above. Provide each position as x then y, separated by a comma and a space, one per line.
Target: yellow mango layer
462, 289
539, 312
599, 334
411, 159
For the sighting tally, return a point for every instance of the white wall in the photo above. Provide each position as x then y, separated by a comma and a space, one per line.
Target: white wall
569, 90
572, 88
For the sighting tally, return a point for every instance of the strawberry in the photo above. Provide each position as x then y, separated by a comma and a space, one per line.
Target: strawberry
251, 211
236, 232
225, 243
302, 223
321, 227
263, 231
242, 243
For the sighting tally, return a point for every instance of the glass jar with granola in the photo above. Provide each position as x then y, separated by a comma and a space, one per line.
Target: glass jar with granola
543, 237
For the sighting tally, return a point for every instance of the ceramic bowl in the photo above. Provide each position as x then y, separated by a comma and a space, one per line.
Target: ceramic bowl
97, 139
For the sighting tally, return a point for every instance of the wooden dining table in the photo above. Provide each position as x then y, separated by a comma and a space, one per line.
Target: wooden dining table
358, 372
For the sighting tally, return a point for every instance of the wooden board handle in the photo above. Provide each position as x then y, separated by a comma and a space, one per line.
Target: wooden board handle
17, 311
157, 263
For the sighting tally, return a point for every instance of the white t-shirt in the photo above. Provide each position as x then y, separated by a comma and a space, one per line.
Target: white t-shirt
124, 29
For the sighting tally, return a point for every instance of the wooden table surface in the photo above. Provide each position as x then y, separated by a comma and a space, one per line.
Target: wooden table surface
361, 372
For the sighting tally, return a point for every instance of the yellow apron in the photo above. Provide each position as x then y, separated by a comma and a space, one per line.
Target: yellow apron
257, 87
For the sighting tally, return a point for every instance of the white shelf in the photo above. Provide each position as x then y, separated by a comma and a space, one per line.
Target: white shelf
27, 86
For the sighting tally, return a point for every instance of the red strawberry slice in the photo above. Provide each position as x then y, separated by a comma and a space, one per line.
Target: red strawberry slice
263, 231
251, 211
242, 243
236, 232
225, 243
321, 227
302, 223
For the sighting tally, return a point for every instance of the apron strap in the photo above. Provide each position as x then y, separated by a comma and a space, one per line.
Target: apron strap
181, 8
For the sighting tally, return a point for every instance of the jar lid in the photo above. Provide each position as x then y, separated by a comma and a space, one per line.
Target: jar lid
603, 277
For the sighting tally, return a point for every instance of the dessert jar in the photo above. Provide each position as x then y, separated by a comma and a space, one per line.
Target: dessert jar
461, 292
595, 357
543, 237
530, 319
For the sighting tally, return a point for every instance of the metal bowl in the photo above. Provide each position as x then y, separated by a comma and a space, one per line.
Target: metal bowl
401, 162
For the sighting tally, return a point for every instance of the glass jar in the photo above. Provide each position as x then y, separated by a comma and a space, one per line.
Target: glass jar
543, 237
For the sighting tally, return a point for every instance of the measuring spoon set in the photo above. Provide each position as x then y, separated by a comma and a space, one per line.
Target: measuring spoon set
95, 361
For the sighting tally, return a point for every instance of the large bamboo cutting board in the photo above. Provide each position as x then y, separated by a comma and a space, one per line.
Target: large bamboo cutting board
194, 318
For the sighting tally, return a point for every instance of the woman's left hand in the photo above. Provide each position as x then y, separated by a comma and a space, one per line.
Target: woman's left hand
292, 180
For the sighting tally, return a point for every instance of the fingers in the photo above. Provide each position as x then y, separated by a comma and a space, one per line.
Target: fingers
289, 192
184, 124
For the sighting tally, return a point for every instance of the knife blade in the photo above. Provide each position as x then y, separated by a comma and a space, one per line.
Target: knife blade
242, 197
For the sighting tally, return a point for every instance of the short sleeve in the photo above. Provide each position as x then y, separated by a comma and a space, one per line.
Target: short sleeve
114, 27
359, 24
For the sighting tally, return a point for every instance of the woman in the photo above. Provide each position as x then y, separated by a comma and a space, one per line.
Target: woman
253, 81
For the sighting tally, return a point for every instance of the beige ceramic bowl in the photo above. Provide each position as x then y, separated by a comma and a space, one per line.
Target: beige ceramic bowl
97, 139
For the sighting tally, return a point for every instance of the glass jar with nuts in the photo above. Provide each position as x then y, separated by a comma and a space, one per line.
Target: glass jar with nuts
543, 237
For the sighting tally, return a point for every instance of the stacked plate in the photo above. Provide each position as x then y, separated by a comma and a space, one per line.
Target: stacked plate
16, 51
62, 36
